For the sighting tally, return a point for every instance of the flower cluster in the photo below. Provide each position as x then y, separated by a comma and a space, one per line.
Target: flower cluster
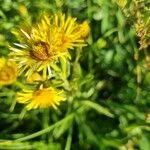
142, 30
40, 47
137, 11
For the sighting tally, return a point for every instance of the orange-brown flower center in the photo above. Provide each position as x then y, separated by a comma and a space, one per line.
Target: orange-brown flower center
40, 51
44, 96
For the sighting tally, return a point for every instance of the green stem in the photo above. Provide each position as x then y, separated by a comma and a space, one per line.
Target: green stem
69, 139
89, 8
11, 109
78, 54
22, 114
46, 130
45, 120
20, 85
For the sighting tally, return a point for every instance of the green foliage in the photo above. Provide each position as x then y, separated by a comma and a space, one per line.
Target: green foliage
108, 109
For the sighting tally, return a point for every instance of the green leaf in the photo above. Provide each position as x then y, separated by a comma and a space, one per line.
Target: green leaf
58, 131
100, 109
65, 67
144, 143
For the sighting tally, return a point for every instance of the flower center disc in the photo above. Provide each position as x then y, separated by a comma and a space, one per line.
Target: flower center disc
40, 51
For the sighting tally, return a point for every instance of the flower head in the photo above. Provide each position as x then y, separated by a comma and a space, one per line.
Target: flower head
8, 72
84, 29
43, 43
41, 98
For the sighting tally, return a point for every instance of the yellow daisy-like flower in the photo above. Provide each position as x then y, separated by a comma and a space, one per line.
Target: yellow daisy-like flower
8, 72
43, 43
41, 98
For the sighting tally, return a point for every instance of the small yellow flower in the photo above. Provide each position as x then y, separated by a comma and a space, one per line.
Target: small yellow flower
84, 29
41, 98
8, 72
43, 43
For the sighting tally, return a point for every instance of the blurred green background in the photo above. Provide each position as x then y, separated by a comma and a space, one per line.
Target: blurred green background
115, 113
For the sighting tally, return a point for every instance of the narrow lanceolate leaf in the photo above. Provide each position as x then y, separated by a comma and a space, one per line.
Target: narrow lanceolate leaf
100, 109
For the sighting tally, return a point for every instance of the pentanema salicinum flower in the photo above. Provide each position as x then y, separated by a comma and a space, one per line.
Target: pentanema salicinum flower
43, 43
40, 98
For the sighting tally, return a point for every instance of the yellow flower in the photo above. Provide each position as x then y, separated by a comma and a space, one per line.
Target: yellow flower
43, 43
8, 72
41, 98
84, 29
